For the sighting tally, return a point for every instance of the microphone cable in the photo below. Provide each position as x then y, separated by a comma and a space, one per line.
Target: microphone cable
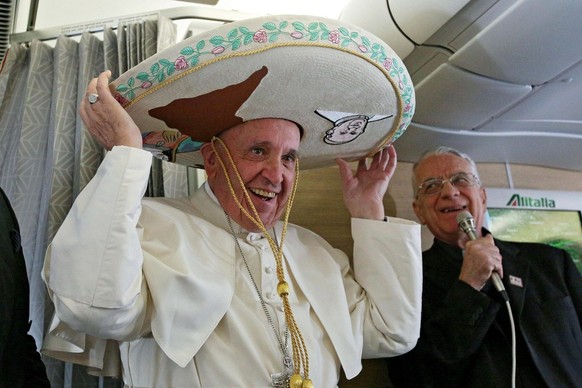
513, 344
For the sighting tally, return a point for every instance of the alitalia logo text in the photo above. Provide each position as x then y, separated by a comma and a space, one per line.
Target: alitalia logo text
517, 200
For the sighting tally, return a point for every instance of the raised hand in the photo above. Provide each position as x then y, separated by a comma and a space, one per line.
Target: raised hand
105, 118
364, 190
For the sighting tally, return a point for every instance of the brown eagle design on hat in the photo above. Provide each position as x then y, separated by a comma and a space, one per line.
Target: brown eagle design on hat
207, 115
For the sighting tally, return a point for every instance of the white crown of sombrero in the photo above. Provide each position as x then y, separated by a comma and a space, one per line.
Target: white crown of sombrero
346, 88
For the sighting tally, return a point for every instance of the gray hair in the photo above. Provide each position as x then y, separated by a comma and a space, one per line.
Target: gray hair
442, 150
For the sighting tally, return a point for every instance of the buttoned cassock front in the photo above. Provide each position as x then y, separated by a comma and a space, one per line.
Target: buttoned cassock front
168, 300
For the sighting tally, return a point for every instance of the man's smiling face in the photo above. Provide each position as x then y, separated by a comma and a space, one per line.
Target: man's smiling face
439, 211
265, 153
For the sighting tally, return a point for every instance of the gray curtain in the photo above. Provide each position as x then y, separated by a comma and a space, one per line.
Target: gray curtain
46, 154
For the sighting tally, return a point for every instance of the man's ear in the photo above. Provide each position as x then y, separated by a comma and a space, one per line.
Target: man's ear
418, 211
210, 161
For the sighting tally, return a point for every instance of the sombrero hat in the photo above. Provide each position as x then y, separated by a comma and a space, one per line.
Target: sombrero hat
347, 90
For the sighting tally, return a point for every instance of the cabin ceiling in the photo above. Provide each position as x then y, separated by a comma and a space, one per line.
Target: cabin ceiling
500, 80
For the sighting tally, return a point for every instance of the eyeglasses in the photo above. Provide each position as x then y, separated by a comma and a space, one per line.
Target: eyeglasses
434, 186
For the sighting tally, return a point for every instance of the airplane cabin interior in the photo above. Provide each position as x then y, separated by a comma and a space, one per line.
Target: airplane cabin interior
500, 80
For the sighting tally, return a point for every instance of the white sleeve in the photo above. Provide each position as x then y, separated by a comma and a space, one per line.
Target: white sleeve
388, 265
93, 267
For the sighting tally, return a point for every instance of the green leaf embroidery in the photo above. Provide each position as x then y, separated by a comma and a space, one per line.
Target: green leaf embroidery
187, 51
270, 26
216, 40
343, 31
232, 34
298, 26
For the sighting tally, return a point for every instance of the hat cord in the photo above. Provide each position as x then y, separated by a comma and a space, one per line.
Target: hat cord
300, 355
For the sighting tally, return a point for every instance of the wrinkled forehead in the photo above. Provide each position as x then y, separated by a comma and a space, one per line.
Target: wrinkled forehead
441, 166
283, 132
252, 126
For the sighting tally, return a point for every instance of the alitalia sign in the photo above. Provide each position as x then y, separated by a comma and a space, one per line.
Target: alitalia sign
533, 199
518, 200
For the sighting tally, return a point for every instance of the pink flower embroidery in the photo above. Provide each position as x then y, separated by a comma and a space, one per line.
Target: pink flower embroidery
400, 85
180, 63
119, 98
260, 36
296, 35
217, 50
388, 63
362, 48
407, 107
146, 84
334, 36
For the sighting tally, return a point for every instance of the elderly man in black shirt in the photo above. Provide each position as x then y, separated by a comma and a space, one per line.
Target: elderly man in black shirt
466, 336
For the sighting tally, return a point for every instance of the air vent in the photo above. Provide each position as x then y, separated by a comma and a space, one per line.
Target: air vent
6, 23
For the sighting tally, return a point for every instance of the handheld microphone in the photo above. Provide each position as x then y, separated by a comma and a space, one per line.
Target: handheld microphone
467, 225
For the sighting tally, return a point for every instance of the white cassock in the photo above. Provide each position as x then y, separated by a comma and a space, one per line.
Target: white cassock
166, 281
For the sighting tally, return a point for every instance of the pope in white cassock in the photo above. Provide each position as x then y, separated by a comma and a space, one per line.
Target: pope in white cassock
219, 290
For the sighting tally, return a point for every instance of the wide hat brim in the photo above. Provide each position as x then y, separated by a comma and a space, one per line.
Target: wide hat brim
347, 90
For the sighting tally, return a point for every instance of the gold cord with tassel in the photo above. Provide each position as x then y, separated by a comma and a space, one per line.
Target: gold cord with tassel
300, 355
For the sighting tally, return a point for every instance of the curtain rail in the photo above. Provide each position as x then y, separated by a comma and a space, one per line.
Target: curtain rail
192, 12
